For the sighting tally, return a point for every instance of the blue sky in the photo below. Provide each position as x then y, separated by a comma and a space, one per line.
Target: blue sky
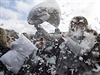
13, 14
16, 9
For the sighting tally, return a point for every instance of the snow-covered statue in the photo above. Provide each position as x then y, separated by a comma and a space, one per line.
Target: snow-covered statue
76, 57
47, 11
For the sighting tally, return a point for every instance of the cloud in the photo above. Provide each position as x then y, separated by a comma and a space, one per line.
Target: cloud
5, 2
10, 18
19, 26
22, 6
26, 5
9, 14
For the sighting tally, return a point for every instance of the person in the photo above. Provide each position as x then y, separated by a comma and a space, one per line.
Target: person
3, 41
40, 45
48, 43
14, 59
56, 50
96, 54
78, 43
3, 45
26, 35
42, 32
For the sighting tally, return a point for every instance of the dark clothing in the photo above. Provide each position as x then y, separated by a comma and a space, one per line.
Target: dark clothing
56, 51
69, 63
3, 49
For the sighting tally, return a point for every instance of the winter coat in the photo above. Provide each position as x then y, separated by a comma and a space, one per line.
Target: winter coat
15, 58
